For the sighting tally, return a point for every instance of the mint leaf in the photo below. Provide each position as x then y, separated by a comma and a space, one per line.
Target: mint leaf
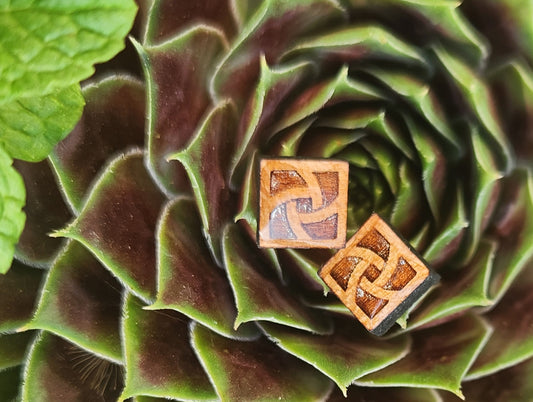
49, 44
12, 197
31, 127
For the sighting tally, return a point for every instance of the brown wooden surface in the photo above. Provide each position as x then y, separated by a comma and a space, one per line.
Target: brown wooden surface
375, 273
303, 203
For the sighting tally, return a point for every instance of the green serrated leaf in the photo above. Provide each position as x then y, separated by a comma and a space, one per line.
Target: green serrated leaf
30, 127
50, 44
12, 198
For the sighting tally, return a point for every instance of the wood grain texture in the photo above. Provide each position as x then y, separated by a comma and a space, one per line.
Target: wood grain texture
303, 203
377, 276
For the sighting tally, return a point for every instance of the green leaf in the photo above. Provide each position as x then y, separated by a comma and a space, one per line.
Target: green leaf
440, 357
51, 44
189, 281
19, 289
348, 353
259, 295
56, 367
159, 359
118, 223
30, 127
257, 370
368, 394
12, 198
81, 302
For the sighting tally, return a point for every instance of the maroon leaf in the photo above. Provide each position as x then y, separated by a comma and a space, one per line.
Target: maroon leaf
159, 359
58, 369
118, 222
45, 211
178, 96
169, 17
189, 281
81, 301
112, 121
18, 294
256, 371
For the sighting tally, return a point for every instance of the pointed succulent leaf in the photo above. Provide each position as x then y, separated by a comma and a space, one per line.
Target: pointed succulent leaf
368, 394
348, 353
359, 42
448, 239
513, 384
12, 198
176, 105
13, 349
433, 161
45, 211
407, 205
258, 293
326, 142
112, 120
18, 298
167, 18
188, 280
322, 93
57, 367
206, 160
249, 195
54, 44
274, 25
304, 267
478, 97
486, 187
30, 127
512, 320
459, 291
515, 229
257, 370
273, 87
159, 359
440, 357
81, 302
387, 160
118, 222
10, 380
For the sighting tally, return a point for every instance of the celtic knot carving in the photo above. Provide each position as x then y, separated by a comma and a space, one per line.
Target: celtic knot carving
303, 203
376, 274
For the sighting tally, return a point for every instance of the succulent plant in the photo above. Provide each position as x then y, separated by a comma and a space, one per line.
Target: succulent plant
137, 276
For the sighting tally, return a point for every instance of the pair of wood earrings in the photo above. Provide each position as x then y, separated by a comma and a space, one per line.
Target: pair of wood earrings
303, 204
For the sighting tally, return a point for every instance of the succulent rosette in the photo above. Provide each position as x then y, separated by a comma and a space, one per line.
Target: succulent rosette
137, 276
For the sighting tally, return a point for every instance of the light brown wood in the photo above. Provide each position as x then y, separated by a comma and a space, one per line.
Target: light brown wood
303, 203
377, 275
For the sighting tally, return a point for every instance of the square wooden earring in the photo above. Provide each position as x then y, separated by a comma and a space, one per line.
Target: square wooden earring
303, 203
377, 276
